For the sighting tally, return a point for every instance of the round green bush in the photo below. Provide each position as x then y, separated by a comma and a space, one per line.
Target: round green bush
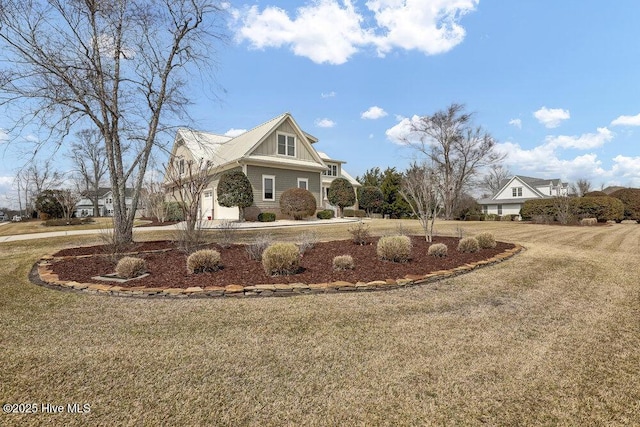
630, 198
203, 261
394, 248
486, 240
438, 250
298, 203
281, 259
325, 214
468, 244
266, 217
130, 267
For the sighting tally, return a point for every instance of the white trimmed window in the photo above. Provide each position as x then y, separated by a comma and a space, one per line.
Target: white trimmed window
268, 188
499, 209
303, 183
332, 170
286, 145
516, 191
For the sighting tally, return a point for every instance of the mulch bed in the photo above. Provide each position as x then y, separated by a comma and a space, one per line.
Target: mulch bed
168, 269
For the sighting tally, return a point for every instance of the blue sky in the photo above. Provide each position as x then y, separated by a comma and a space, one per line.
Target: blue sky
555, 82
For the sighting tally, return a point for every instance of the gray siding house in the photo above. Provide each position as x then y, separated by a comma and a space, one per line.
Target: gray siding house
275, 156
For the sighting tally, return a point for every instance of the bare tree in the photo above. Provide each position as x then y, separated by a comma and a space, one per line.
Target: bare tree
154, 200
90, 158
581, 187
120, 66
68, 199
494, 179
186, 181
456, 149
422, 190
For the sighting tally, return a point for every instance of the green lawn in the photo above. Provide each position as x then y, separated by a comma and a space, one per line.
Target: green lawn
550, 337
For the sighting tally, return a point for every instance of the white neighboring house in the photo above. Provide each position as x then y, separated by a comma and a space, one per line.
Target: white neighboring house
517, 190
85, 206
275, 156
3, 216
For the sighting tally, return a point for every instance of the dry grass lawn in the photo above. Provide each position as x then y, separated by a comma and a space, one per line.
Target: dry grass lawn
550, 337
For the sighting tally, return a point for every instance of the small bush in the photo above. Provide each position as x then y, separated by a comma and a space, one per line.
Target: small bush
394, 248
468, 244
203, 261
486, 240
472, 217
588, 221
438, 250
130, 267
267, 217
325, 214
359, 233
298, 203
257, 247
281, 259
306, 241
343, 262
358, 213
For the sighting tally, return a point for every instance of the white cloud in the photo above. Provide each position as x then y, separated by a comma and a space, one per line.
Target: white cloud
325, 123
331, 31
627, 170
551, 117
325, 95
627, 121
373, 113
583, 142
401, 132
516, 123
234, 132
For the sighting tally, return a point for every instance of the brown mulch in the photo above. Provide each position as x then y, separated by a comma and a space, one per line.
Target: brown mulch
168, 269
153, 222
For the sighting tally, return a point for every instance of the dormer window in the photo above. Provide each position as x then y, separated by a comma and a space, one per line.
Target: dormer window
286, 145
332, 170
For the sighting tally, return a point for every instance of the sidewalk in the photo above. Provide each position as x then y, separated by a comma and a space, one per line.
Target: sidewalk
206, 225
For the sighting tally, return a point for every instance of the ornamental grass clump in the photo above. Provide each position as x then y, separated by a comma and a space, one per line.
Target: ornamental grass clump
438, 250
486, 240
343, 262
203, 261
588, 221
468, 244
281, 259
130, 267
394, 248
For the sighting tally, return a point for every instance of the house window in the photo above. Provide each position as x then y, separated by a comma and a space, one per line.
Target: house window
516, 191
286, 145
303, 183
268, 188
109, 201
332, 170
181, 166
499, 209
485, 209
208, 194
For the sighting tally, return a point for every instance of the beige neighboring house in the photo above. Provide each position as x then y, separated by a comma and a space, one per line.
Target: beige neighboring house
517, 190
275, 156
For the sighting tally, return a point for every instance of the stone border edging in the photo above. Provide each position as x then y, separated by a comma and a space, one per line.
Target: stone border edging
41, 274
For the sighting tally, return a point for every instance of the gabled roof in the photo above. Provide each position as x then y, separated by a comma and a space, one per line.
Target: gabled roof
223, 150
103, 191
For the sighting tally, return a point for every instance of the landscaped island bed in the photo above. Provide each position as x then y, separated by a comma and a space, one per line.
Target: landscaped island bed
167, 265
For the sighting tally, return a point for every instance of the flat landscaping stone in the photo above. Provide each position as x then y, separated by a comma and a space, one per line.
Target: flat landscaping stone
232, 289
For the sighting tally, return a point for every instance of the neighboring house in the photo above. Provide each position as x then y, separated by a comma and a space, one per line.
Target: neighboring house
517, 190
3, 216
275, 156
105, 203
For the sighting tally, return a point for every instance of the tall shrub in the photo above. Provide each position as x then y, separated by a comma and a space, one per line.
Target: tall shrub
298, 203
630, 198
370, 199
341, 194
234, 189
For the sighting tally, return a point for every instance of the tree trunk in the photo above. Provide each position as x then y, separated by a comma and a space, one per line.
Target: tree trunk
122, 228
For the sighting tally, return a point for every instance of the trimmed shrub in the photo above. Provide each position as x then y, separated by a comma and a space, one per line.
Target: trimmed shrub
602, 208
588, 221
394, 248
341, 193
234, 189
343, 262
203, 261
359, 233
281, 259
266, 217
438, 250
630, 198
468, 244
130, 267
257, 247
325, 214
595, 194
486, 240
298, 203
472, 217
370, 198
358, 213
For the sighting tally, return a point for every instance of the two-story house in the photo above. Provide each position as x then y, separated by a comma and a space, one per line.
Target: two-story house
509, 199
275, 156
85, 206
